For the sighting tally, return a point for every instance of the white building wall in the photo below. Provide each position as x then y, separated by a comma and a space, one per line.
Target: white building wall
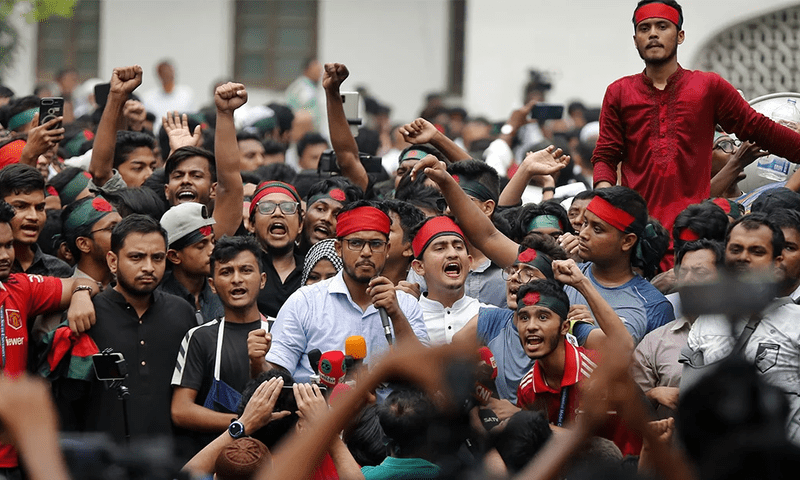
399, 50
21, 77
585, 44
197, 35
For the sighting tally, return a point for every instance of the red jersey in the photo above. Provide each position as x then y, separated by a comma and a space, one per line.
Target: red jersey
22, 297
534, 393
664, 137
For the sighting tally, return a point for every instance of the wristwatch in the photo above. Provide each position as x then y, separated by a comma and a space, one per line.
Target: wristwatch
506, 129
236, 429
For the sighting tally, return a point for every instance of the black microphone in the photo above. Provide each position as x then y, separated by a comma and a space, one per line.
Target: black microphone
313, 359
387, 329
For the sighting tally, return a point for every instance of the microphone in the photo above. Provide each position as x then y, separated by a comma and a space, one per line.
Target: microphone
356, 347
387, 329
332, 368
313, 359
485, 376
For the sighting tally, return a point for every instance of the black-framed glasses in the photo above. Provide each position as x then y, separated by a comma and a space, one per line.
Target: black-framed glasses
357, 244
728, 145
268, 208
524, 273
106, 229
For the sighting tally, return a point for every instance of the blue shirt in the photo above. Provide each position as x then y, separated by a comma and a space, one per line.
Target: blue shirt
496, 329
638, 303
322, 316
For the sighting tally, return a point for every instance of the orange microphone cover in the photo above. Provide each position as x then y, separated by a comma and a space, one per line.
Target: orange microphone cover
356, 347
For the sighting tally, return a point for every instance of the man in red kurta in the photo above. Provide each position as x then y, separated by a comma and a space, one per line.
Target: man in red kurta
659, 124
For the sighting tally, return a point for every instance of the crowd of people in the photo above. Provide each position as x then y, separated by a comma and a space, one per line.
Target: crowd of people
230, 292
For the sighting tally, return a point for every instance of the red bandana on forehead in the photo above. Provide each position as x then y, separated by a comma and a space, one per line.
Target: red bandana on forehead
527, 255
362, 219
616, 217
272, 187
531, 298
206, 231
337, 194
101, 205
657, 10
433, 228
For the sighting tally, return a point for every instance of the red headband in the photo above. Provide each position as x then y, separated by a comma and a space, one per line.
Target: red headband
687, 235
433, 228
657, 10
362, 219
723, 203
272, 187
616, 217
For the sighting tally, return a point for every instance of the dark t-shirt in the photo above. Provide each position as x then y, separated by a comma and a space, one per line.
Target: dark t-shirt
195, 368
150, 345
272, 297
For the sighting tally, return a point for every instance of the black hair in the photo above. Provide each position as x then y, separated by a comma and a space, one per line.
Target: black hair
524, 435
364, 437
19, 178
545, 244
271, 147
351, 192
275, 430
284, 116
405, 416
478, 171
546, 286
185, 153
279, 172
128, 141
227, 248
785, 218
671, 3
780, 197
409, 215
629, 201
754, 221
706, 219
6, 92
136, 223
7, 212
583, 195
141, 200
532, 210
506, 220
420, 195
715, 247
71, 235
245, 135
310, 138
365, 203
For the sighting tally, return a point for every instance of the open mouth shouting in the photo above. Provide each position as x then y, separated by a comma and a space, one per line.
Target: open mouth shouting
278, 229
186, 195
452, 270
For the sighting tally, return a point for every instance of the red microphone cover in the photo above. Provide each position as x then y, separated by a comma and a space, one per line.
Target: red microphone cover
331, 368
487, 357
356, 347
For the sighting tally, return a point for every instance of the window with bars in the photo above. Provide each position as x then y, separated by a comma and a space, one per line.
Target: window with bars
273, 38
70, 42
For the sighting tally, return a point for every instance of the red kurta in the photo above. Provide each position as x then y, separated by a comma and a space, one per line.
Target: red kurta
664, 137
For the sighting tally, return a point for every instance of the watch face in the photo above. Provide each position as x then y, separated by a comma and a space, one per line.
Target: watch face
236, 429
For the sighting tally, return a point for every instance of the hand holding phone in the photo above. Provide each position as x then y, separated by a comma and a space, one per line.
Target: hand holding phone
49, 109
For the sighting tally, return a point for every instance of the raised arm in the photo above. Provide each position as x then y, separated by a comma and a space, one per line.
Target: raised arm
229, 191
124, 80
41, 138
479, 229
422, 131
544, 162
342, 140
746, 154
568, 273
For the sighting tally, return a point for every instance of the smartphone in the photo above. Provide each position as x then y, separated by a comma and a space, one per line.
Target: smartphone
350, 101
50, 108
542, 112
110, 366
101, 94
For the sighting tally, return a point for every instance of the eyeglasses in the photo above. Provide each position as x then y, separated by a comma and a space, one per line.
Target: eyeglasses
106, 229
268, 208
524, 273
728, 146
357, 244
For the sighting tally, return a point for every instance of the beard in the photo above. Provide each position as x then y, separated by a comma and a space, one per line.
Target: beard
670, 55
135, 291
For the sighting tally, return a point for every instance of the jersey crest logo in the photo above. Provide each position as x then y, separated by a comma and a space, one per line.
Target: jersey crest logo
14, 319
